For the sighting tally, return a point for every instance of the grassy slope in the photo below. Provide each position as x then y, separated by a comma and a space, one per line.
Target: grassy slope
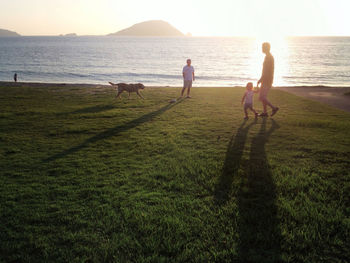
86, 178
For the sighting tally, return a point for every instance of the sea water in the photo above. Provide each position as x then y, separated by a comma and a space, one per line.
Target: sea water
158, 61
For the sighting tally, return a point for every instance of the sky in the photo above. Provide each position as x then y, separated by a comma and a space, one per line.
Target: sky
255, 18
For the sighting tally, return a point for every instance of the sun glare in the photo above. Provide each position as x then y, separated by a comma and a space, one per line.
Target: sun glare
279, 50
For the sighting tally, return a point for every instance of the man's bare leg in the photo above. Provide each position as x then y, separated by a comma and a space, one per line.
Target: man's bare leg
188, 92
264, 106
182, 92
269, 104
274, 108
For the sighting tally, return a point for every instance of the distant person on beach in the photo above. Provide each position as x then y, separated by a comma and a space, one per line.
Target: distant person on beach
248, 100
266, 80
15, 77
188, 76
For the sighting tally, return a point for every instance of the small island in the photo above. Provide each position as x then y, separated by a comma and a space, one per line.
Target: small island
150, 28
68, 35
8, 33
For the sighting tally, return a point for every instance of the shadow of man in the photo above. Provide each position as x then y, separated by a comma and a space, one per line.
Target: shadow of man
112, 132
232, 163
258, 226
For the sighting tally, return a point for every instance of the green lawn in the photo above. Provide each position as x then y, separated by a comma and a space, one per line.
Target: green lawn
85, 178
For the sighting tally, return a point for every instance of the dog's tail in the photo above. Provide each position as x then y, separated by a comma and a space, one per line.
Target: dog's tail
113, 84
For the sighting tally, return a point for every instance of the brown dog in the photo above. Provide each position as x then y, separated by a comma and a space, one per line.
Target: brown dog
121, 87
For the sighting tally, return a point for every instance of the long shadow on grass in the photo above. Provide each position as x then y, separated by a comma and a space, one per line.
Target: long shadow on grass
91, 109
98, 109
94, 109
231, 164
113, 131
258, 226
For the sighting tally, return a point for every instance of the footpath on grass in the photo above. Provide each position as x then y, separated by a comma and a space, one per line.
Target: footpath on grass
334, 96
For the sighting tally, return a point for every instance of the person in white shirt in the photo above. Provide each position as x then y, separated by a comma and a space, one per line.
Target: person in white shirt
188, 76
248, 100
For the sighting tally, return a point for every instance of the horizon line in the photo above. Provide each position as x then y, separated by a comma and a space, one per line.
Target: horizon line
185, 36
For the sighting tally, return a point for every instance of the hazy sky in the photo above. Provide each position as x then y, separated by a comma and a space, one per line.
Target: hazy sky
200, 17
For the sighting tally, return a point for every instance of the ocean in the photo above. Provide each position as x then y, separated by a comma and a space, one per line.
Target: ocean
218, 61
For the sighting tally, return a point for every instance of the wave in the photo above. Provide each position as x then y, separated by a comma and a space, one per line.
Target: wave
124, 75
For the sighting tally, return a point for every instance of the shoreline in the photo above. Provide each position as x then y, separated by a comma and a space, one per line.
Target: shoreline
330, 95
54, 84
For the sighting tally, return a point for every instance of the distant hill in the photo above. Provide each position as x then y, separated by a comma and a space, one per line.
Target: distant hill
8, 33
149, 28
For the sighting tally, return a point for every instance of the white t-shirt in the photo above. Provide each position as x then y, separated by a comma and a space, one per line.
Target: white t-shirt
249, 97
188, 71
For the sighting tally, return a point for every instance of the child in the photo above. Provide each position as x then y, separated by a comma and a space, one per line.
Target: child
248, 100
188, 76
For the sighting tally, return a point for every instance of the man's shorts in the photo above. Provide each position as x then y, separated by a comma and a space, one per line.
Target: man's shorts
187, 83
264, 90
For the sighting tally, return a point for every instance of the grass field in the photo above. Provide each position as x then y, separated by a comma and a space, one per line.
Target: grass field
85, 178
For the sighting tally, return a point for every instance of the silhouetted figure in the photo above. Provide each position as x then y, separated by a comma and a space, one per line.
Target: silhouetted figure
266, 80
15, 77
188, 75
234, 155
258, 224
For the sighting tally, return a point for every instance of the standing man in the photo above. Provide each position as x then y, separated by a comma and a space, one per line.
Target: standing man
15, 77
188, 75
266, 80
